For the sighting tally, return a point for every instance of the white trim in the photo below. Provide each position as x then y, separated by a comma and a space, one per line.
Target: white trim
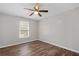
43, 41
15, 44
61, 46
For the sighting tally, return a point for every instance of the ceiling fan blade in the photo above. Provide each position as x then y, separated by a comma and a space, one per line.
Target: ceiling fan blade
31, 14
39, 14
43, 10
28, 9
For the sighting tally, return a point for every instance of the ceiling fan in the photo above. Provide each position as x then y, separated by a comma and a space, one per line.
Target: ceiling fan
36, 10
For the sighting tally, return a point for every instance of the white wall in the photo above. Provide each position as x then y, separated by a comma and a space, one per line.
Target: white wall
62, 30
9, 30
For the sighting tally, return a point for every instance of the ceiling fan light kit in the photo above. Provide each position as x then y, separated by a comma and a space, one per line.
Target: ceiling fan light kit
36, 13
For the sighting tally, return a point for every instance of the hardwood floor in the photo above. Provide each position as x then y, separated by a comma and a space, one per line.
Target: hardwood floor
36, 48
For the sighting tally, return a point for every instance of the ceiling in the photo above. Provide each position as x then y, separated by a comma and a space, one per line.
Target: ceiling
17, 9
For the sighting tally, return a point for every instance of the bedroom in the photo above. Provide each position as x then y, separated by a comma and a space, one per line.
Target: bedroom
54, 31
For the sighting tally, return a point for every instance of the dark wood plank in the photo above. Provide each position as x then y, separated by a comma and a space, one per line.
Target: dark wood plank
36, 48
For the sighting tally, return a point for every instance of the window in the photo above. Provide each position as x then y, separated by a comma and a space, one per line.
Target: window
23, 29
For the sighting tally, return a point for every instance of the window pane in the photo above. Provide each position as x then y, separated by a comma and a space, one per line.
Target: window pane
23, 29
